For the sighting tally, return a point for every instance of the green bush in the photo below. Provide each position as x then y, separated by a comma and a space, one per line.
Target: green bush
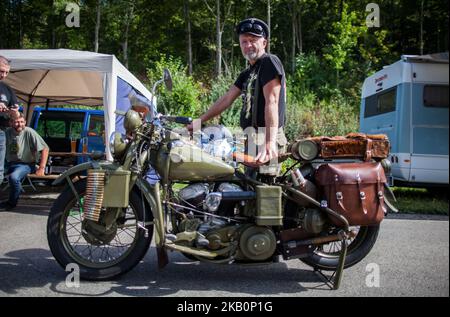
335, 117
308, 116
185, 95
299, 116
230, 117
311, 74
315, 106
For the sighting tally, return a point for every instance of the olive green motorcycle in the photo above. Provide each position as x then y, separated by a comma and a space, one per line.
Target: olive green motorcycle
161, 184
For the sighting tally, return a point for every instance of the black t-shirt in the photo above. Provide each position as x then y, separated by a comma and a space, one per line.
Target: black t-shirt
267, 68
8, 97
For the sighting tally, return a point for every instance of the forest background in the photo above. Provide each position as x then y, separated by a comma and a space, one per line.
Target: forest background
327, 47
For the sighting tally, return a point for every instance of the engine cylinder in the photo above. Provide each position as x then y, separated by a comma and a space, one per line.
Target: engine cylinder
194, 194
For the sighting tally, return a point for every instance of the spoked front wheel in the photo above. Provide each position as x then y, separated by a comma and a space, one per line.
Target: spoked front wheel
100, 253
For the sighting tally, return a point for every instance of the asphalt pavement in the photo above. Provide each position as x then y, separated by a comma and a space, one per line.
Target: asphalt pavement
410, 258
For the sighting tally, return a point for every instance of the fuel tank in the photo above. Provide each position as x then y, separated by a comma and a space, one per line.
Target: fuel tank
180, 160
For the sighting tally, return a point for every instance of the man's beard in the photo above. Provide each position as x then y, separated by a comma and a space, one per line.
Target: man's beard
252, 56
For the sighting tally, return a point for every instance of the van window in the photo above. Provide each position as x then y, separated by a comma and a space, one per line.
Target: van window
60, 124
96, 125
435, 96
382, 102
76, 127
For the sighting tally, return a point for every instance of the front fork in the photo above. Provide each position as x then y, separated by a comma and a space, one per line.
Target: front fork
152, 194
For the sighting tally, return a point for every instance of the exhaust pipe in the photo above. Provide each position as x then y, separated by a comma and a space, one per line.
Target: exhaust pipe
321, 240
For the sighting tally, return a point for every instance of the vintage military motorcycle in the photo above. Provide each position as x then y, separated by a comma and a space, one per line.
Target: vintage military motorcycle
325, 209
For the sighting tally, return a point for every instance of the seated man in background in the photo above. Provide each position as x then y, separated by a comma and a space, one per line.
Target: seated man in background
23, 146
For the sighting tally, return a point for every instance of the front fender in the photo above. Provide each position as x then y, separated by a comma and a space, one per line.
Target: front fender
77, 169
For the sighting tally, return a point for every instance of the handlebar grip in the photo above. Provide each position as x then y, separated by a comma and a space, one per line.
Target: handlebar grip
245, 159
180, 120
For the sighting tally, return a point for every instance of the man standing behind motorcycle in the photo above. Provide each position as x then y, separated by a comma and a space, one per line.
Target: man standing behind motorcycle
262, 86
8, 107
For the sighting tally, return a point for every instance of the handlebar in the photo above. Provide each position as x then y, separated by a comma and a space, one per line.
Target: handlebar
180, 120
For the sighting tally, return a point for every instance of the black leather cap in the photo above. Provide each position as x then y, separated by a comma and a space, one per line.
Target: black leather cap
253, 26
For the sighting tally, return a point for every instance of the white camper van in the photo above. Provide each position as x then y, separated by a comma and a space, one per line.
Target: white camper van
408, 101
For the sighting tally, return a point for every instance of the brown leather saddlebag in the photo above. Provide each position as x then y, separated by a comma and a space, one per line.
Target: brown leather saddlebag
354, 190
353, 145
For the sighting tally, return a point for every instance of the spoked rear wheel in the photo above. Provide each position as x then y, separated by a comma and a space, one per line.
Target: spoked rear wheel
117, 250
326, 257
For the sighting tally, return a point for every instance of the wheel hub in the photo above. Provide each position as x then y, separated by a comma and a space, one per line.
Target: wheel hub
97, 234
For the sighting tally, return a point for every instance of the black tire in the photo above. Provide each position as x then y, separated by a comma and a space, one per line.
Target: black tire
65, 253
358, 248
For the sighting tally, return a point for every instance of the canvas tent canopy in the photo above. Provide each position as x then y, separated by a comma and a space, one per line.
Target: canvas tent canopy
70, 77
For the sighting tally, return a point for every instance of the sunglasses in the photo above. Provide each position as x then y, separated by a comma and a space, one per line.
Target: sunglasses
252, 28
5, 61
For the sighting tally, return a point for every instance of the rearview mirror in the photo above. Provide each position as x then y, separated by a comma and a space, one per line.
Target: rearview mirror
167, 79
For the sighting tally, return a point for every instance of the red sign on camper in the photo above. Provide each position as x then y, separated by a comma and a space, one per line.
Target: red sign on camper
381, 78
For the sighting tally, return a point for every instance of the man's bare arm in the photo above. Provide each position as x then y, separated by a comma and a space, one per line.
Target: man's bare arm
219, 106
44, 157
271, 92
222, 103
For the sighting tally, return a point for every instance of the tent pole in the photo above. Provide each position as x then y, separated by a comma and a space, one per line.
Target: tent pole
28, 120
31, 96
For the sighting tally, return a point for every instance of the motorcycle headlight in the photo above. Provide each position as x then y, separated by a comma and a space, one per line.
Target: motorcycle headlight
117, 144
132, 120
304, 150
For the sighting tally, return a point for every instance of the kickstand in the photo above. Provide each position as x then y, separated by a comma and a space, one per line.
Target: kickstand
334, 281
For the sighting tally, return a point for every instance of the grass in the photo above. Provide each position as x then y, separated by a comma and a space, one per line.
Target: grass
421, 200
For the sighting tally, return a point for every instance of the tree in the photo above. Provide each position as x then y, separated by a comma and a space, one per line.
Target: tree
97, 25
343, 40
129, 17
188, 35
201, 33
219, 32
